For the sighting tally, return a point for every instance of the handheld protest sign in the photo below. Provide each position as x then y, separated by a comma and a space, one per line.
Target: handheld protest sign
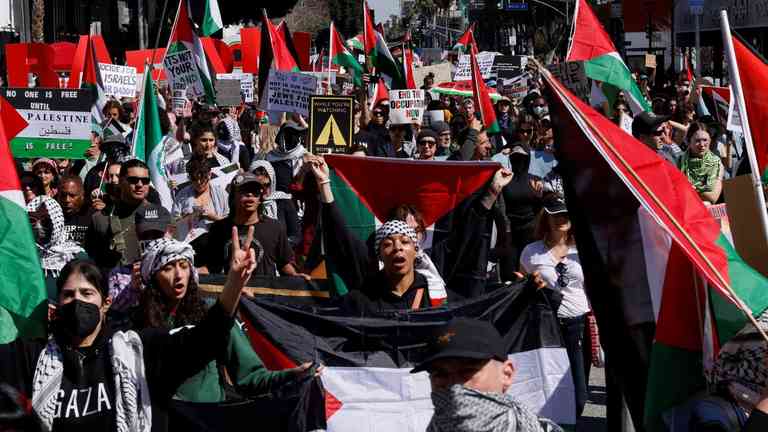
406, 106
119, 81
228, 93
246, 83
573, 76
288, 92
330, 124
58, 122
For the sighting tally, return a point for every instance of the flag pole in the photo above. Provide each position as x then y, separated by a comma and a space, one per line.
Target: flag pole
647, 189
330, 56
733, 69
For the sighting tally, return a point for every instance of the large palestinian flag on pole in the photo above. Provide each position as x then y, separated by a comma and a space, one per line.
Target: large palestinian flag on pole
466, 40
436, 189
654, 255
592, 45
273, 53
340, 56
185, 62
23, 297
367, 379
482, 97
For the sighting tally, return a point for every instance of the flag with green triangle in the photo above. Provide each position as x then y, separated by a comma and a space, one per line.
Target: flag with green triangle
185, 62
340, 56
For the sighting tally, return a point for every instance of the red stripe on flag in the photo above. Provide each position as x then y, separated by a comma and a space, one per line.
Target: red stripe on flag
270, 355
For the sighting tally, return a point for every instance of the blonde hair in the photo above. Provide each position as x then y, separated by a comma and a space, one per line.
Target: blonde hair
267, 136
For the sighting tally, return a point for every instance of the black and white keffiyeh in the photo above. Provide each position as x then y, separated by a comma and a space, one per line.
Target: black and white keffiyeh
59, 250
391, 228
461, 409
162, 251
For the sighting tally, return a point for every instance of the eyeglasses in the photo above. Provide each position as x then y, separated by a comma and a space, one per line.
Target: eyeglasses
429, 143
135, 180
562, 278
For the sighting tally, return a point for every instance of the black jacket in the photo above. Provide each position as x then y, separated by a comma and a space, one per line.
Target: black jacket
169, 359
376, 296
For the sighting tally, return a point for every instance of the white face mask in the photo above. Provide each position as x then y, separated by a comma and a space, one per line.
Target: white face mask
540, 111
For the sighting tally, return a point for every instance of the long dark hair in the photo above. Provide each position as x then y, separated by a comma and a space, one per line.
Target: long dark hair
154, 306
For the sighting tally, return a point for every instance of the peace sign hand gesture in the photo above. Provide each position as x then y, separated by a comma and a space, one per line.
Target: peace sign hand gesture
241, 265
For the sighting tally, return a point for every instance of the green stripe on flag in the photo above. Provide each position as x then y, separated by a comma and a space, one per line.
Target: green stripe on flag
610, 69
359, 218
23, 297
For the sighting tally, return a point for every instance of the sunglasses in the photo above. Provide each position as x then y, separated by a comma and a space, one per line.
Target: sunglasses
135, 180
562, 278
430, 143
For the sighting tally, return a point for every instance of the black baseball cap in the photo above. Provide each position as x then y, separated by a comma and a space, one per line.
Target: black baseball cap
465, 338
151, 218
554, 205
646, 123
427, 133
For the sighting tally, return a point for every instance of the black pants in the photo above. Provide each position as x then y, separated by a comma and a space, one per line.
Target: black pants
579, 355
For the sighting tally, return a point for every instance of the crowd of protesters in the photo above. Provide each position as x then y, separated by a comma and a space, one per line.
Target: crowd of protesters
122, 270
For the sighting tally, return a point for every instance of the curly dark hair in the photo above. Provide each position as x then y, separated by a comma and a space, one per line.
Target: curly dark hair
154, 307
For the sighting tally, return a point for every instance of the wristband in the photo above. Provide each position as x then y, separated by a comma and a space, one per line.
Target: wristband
324, 182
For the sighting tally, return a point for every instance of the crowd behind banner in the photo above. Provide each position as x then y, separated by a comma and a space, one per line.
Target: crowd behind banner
254, 195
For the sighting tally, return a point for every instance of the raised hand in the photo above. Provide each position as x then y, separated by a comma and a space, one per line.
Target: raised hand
242, 263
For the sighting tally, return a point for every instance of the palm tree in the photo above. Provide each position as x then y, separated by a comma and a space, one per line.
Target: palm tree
38, 18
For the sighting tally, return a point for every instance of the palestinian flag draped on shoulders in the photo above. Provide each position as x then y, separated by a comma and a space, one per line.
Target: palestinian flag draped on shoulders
23, 296
591, 44
656, 254
185, 59
434, 188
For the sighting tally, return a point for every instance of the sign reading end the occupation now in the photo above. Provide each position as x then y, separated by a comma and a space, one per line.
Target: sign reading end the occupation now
58, 122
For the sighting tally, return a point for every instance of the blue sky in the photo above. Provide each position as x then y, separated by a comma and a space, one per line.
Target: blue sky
384, 8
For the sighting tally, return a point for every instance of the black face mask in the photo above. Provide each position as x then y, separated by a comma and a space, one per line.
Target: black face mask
77, 319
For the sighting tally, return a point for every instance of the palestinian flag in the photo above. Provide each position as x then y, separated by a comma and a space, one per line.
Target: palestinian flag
86, 69
340, 56
655, 254
482, 98
466, 40
410, 82
207, 15
23, 296
461, 88
592, 45
435, 188
367, 379
751, 70
386, 65
356, 43
148, 141
185, 60
380, 93
285, 33
369, 34
717, 100
273, 54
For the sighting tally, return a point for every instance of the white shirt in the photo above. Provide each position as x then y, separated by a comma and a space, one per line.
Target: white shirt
536, 257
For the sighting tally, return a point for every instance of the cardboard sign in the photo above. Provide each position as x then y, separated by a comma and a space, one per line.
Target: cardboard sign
650, 61
330, 124
228, 93
118, 81
572, 75
181, 69
484, 62
442, 73
58, 122
406, 106
288, 92
246, 84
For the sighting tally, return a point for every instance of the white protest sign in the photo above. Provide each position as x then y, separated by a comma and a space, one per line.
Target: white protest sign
516, 87
246, 83
118, 81
181, 69
441, 72
288, 92
430, 117
484, 62
406, 106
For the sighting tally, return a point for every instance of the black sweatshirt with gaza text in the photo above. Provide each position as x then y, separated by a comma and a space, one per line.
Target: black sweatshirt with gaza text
87, 395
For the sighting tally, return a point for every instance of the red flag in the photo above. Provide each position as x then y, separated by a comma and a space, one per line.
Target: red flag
282, 58
380, 93
688, 69
410, 82
466, 40
12, 121
317, 65
84, 67
482, 96
433, 187
754, 80
369, 32
589, 39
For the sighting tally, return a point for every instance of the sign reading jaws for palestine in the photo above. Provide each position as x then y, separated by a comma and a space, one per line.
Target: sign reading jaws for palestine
330, 124
119, 81
182, 70
58, 122
289, 92
406, 106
